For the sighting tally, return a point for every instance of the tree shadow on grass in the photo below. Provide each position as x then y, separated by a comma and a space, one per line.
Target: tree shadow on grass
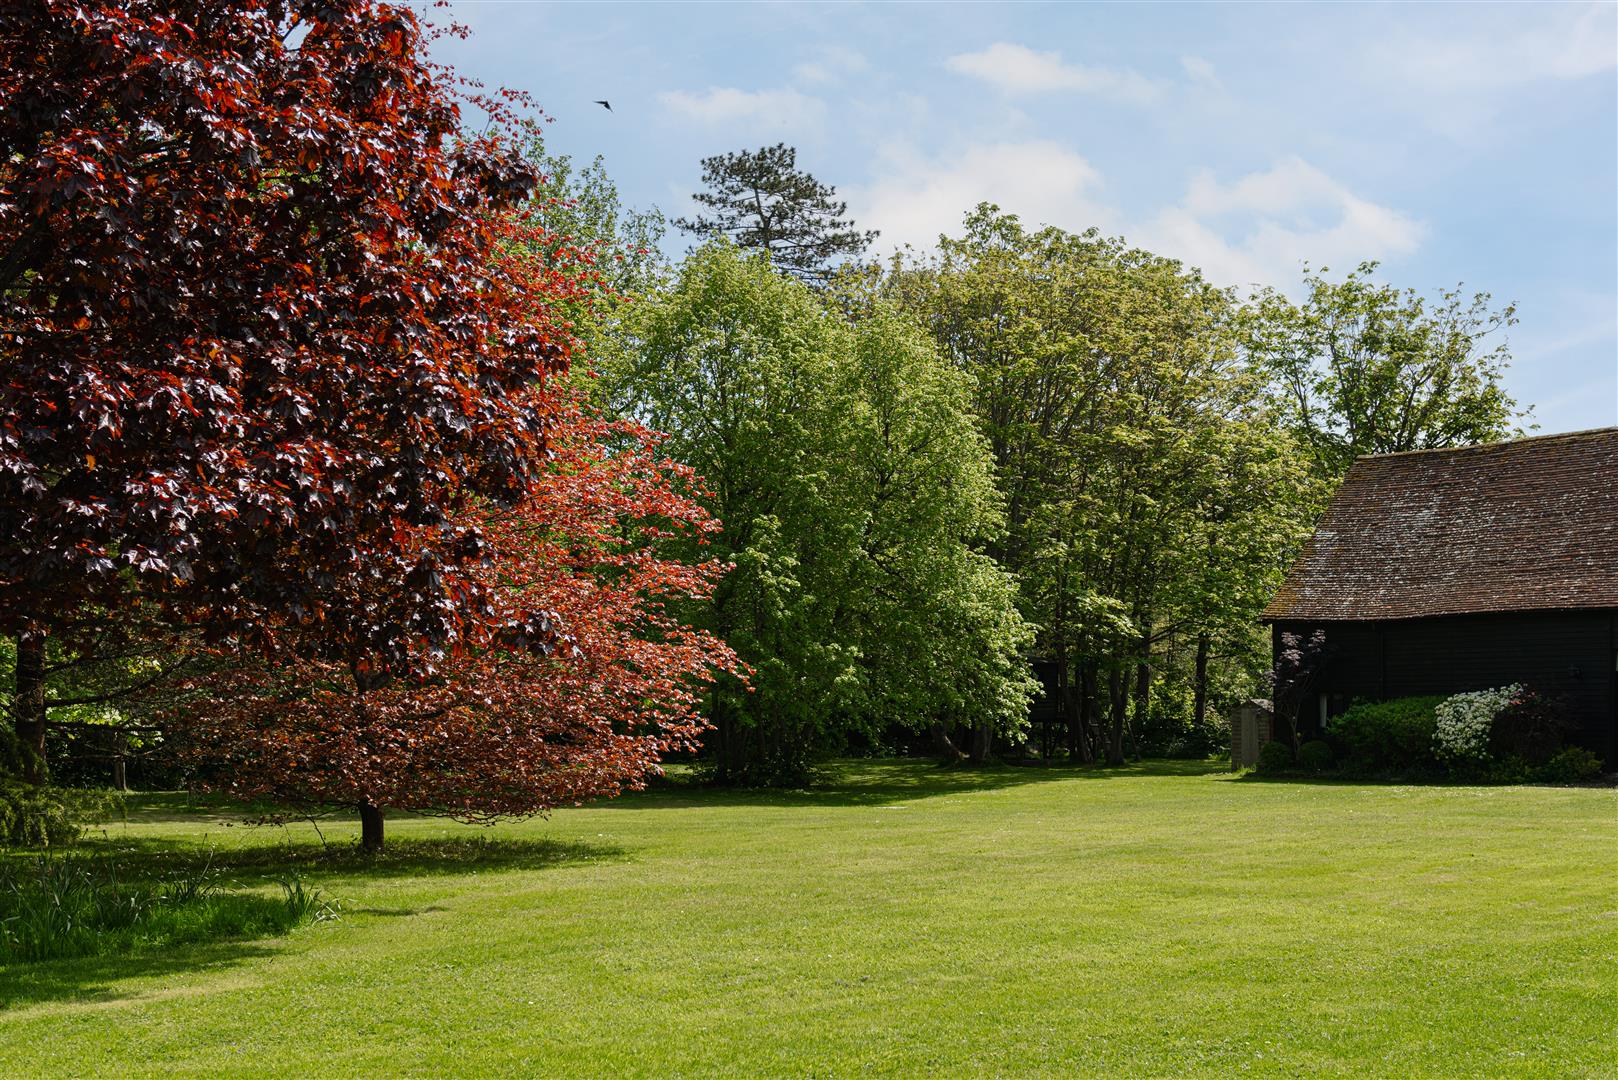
1252, 776
1427, 780
96, 978
182, 807
92, 979
883, 782
341, 857
849, 782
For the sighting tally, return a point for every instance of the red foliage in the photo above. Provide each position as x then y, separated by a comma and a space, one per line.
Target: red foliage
281, 356
262, 347
505, 731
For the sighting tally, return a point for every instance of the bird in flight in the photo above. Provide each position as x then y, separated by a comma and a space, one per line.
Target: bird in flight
605, 105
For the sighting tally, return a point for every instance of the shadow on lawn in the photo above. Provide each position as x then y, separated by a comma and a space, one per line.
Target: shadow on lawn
1423, 780
877, 783
91, 979
341, 857
849, 782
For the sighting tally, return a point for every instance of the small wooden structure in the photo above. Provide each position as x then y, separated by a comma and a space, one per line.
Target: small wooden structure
1250, 728
1442, 571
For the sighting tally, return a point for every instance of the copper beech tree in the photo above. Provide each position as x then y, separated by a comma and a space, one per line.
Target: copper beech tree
504, 729
279, 359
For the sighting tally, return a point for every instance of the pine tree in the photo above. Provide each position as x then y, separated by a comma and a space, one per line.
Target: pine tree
760, 199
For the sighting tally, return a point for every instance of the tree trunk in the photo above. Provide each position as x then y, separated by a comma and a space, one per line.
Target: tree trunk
982, 737
1143, 693
1068, 705
1087, 711
370, 828
946, 747
370, 814
762, 770
722, 744
1200, 690
29, 701
1120, 709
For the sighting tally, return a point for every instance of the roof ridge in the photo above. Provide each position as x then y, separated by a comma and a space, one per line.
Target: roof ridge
1583, 433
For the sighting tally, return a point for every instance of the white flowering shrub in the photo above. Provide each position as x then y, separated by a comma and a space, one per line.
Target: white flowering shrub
1464, 722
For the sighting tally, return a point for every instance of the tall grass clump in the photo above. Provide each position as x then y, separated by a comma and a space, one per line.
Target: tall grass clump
57, 907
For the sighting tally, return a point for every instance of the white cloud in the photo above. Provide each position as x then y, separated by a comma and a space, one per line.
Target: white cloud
1562, 42
914, 199
832, 64
1201, 72
1257, 229
1260, 228
1458, 79
1016, 69
728, 106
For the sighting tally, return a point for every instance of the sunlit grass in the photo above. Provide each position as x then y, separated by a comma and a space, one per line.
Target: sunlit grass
902, 920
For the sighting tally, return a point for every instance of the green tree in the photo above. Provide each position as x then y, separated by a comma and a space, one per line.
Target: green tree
580, 210
1366, 368
759, 199
851, 484
940, 632
1126, 432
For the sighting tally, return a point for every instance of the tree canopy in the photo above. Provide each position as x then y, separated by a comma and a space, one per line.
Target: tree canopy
262, 333
284, 353
1153, 499
760, 199
1366, 368
850, 481
504, 729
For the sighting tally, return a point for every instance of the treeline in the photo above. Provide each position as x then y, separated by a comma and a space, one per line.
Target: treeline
1022, 445
349, 459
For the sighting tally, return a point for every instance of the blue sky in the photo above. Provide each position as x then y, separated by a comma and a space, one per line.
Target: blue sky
1454, 142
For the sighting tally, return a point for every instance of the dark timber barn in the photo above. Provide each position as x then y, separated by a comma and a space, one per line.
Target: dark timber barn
1439, 571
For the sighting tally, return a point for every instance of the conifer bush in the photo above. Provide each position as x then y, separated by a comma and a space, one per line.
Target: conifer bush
30, 815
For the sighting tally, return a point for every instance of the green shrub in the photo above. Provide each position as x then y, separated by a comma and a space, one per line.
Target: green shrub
1507, 770
1274, 757
1396, 734
15, 755
35, 817
1315, 756
1573, 765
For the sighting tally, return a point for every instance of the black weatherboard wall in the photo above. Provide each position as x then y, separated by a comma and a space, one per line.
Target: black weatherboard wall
1570, 654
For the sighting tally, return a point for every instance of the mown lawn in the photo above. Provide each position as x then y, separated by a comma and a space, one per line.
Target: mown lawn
903, 921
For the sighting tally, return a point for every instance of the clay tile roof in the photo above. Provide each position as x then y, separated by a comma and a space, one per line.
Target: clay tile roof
1520, 526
